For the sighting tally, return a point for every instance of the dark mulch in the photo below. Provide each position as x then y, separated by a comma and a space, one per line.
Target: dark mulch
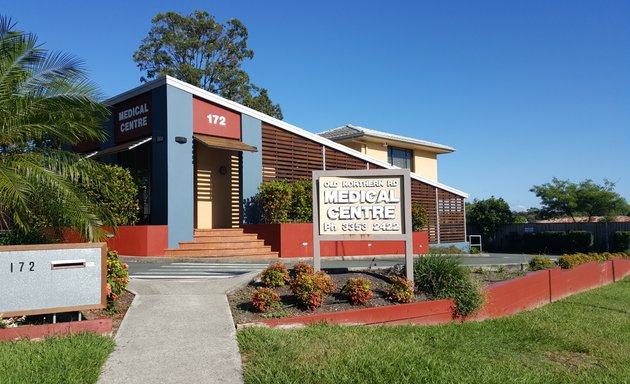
244, 312
117, 313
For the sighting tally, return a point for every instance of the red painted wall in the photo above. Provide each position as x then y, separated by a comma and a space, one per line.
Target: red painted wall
210, 119
140, 240
567, 282
289, 241
622, 268
426, 312
132, 240
513, 296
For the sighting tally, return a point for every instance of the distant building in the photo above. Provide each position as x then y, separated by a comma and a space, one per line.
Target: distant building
419, 156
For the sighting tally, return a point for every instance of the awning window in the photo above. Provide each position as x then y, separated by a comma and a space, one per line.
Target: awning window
119, 148
224, 143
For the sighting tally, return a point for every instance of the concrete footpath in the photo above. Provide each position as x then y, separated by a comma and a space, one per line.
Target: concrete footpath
177, 331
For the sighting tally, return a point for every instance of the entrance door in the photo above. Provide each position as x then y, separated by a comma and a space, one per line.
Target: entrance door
217, 188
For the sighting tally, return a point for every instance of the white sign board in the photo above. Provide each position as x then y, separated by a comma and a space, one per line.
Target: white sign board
52, 278
360, 205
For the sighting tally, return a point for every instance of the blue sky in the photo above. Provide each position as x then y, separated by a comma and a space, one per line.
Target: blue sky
524, 90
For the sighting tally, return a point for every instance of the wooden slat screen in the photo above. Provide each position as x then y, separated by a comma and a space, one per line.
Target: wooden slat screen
336, 160
293, 157
288, 156
452, 223
425, 194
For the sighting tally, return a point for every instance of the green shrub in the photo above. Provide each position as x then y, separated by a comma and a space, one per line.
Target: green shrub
302, 201
274, 200
401, 290
264, 299
117, 278
573, 260
621, 241
419, 217
280, 201
309, 289
578, 241
358, 291
276, 275
302, 267
538, 263
444, 277
114, 191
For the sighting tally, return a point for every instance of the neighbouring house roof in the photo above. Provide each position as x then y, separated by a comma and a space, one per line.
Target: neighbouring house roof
195, 91
349, 132
594, 219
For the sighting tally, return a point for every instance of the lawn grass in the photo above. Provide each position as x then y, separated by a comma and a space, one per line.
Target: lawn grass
582, 339
71, 359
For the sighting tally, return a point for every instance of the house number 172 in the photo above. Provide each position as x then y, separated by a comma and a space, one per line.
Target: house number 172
23, 266
216, 119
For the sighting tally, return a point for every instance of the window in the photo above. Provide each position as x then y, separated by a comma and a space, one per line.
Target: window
400, 157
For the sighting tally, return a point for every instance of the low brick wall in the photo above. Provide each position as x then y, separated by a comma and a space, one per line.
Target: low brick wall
101, 326
502, 299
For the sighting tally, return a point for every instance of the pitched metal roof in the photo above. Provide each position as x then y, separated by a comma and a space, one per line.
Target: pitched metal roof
268, 119
350, 131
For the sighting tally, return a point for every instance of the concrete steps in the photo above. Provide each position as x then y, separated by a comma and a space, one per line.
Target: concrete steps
220, 243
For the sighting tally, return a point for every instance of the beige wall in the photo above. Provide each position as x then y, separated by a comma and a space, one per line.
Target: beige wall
218, 195
424, 162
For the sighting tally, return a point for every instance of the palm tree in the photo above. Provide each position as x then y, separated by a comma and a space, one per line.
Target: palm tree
46, 105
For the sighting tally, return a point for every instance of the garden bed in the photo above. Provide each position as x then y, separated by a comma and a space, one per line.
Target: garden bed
102, 321
243, 311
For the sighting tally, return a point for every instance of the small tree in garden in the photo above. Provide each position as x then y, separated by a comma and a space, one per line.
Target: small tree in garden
117, 278
274, 200
120, 198
358, 291
419, 217
276, 275
282, 202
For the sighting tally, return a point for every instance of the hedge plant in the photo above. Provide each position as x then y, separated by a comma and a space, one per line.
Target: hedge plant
573, 260
621, 241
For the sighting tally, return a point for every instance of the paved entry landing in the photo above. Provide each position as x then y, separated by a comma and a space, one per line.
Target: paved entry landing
177, 331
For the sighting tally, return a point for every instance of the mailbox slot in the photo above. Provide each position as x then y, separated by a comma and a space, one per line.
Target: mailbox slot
67, 264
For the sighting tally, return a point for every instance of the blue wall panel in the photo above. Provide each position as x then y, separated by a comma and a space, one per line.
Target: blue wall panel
251, 133
159, 181
179, 167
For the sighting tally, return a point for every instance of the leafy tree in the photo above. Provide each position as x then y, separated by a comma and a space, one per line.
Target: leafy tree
120, 195
488, 215
564, 198
46, 102
198, 50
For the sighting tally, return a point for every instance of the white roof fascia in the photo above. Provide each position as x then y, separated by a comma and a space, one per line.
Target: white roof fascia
137, 91
271, 120
384, 135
